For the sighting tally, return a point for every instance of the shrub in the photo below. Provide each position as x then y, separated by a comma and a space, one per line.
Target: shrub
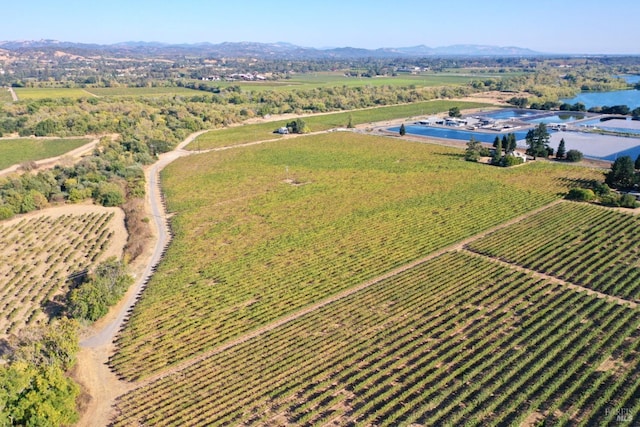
581, 195
110, 194
628, 201
511, 161
574, 156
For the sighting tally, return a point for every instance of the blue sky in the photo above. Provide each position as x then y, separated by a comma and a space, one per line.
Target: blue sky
558, 26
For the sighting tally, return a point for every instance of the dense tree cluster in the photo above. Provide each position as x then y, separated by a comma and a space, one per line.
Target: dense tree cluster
537, 140
110, 176
34, 390
92, 298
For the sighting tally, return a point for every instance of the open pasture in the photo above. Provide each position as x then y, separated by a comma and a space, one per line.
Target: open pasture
262, 131
35, 93
40, 252
141, 91
304, 81
262, 231
457, 340
20, 150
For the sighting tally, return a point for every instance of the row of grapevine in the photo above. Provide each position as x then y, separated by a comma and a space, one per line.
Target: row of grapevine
457, 340
249, 248
587, 245
39, 255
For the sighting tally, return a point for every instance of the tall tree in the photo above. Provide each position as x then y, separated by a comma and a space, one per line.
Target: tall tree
511, 143
496, 141
402, 130
637, 164
454, 112
497, 154
538, 141
562, 150
622, 174
472, 153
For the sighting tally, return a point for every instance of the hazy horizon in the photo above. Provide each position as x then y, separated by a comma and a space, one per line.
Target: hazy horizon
568, 27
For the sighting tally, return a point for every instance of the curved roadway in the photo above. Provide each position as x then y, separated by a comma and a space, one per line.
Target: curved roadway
107, 334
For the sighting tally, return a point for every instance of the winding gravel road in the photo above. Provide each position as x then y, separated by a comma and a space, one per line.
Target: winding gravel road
106, 335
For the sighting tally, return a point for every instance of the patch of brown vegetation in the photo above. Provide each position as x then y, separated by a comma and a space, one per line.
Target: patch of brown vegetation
137, 224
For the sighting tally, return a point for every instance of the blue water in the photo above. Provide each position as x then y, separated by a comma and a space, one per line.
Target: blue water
463, 135
603, 125
633, 79
557, 118
630, 98
509, 114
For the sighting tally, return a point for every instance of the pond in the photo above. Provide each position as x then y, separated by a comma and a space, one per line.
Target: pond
458, 134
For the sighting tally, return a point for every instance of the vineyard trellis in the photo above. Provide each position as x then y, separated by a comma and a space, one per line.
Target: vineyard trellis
249, 248
457, 340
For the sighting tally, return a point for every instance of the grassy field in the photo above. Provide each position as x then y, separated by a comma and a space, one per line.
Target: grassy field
258, 132
264, 230
142, 91
42, 93
332, 79
5, 95
16, 151
27, 93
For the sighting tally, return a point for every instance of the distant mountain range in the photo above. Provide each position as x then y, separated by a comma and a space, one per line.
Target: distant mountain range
263, 50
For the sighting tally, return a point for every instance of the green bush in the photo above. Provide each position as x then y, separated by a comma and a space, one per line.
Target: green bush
628, 201
110, 194
511, 161
581, 195
574, 156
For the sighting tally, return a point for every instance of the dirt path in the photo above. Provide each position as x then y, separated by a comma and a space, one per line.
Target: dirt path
100, 385
14, 97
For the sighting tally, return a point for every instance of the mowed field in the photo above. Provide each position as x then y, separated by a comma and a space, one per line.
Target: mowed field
19, 150
39, 253
261, 131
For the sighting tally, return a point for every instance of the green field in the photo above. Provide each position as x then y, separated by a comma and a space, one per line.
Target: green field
307, 81
16, 151
5, 95
264, 230
29, 94
258, 132
142, 91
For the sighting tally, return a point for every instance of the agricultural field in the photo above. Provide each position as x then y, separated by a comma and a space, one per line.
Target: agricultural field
457, 340
141, 91
587, 245
257, 132
40, 253
307, 81
20, 150
29, 94
265, 230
